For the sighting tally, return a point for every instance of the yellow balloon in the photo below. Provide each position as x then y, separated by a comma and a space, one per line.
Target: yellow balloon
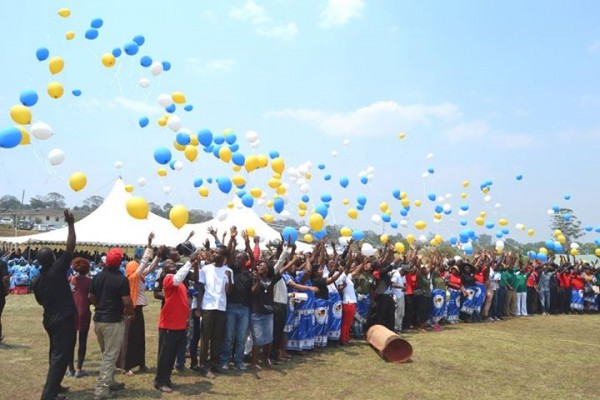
269, 204
238, 180
410, 238
437, 216
178, 146
129, 188
420, 225
530, 232
55, 90
276, 176
302, 213
438, 239
56, 65
25, 137
543, 250
230, 205
179, 216
64, 12
402, 136
405, 202
236, 168
502, 222
483, 214
485, 189
161, 172
384, 238
191, 152
463, 195
278, 165
557, 232
250, 231
203, 191
466, 183
108, 60
308, 238
263, 160
432, 242
574, 252
256, 192
302, 206
561, 239
384, 206
403, 195
20, 114
178, 97
345, 202
70, 35
194, 140
274, 183
162, 121
281, 190
418, 203
316, 222
77, 181
479, 221
597, 252
225, 154
346, 232
137, 207
352, 213
268, 218
308, 175
399, 246
251, 163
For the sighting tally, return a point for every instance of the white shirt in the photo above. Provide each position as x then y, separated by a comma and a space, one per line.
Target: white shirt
398, 279
349, 294
215, 281
331, 288
280, 294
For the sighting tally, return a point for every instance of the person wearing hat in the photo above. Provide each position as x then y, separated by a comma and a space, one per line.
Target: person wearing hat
110, 295
53, 292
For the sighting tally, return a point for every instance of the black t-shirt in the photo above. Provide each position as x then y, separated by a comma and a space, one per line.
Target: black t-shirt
242, 288
53, 291
321, 284
109, 286
3, 273
262, 302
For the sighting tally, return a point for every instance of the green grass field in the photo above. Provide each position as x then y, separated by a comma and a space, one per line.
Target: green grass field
541, 357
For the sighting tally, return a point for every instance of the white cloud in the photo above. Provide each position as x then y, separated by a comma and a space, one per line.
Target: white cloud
137, 106
258, 17
573, 135
199, 66
223, 65
339, 12
379, 118
594, 47
468, 131
513, 140
478, 131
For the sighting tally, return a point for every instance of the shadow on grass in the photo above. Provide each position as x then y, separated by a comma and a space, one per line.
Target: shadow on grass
13, 346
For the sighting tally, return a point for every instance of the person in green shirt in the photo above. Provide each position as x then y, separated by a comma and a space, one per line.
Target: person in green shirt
521, 289
508, 277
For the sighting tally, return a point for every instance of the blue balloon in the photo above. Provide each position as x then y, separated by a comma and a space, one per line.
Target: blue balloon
407, 208
447, 212
234, 147
28, 98
91, 34
589, 228
182, 138
219, 139
431, 196
76, 92
597, 230
464, 237
162, 155
542, 257
116, 52
453, 241
396, 194
364, 180
240, 193
216, 150
146, 61
358, 235
439, 209
567, 196
247, 200
320, 234
172, 164
10, 137
360, 207
209, 180
97, 23
431, 170
171, 108
42, 54
139, 40
166, 65
325, 197
205, 137
230, 138
555, 208
463, 222
278, 205
188, 107
344, 181
490, 225
322, 209
327, 177
505, 231
468, 248
224, 184
305, 198
289, 233
464, 206
549, 244
209, 149
519, 177
597, 241
321, 166
558, 247
273, 154
144, 121
361, 199
394, 225
404, 212
238, 159
198, 182
499, 234
386, 218
567, 217
131, 48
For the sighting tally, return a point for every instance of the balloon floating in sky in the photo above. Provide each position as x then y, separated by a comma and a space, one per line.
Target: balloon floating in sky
56, 65
41, 131
77, 181
179, 215
55, 90
20, 114
10, 137
91, 34
42, 54
64, 12
137, 207
56, 156
28, 98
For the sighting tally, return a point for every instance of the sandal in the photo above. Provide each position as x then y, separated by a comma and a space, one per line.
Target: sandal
129, 373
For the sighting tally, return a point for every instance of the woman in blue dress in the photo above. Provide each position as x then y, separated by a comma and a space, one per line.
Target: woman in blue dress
301, 336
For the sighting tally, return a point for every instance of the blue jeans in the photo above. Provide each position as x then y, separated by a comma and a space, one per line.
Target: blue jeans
545, 300
236, 329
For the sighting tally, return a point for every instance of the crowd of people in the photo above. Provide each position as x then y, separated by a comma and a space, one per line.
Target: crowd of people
228, 308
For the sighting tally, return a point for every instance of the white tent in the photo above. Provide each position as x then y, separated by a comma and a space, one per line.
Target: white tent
110, 224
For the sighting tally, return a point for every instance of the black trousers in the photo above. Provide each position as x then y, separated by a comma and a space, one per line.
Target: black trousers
213, 330
279, 317
384, 312
532, 300
409, 312
564, 300
81, 350
194, 340
168, 343
62, 344
422, 308
2, 304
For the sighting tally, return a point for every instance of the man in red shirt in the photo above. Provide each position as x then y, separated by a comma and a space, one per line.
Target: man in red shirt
532, 291
172, 322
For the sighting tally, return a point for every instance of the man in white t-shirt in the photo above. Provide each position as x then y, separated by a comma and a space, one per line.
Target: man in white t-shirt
345, 283
398, 287
214, 282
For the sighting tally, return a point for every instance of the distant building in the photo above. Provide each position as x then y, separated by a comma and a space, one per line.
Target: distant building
40, 218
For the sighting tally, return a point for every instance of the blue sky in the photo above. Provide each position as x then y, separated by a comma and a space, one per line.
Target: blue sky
490, 89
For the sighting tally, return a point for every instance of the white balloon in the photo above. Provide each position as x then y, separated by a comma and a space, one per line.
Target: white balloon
41, 130
156, 68
305, 188
303, 170
251, 136
370, 177
167, 189
497, 205
285, 213
178, 165
487, 198
56, 156
292, 172
308, 164
370, 170
144, 82
448, 196
376, 219
261, 201
174, 123
429, 156
403, 223
462, 213
425, 175
221, 215
344, 240
500, 245
118, 164
423, 239
304, 230
164, 100
362, 173
550, 211
141, 181
520, 227
334, 153
367, 250
346, 142
255, 144
574, 246
447, 207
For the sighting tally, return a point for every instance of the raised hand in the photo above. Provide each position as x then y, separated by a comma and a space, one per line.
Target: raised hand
69, 219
